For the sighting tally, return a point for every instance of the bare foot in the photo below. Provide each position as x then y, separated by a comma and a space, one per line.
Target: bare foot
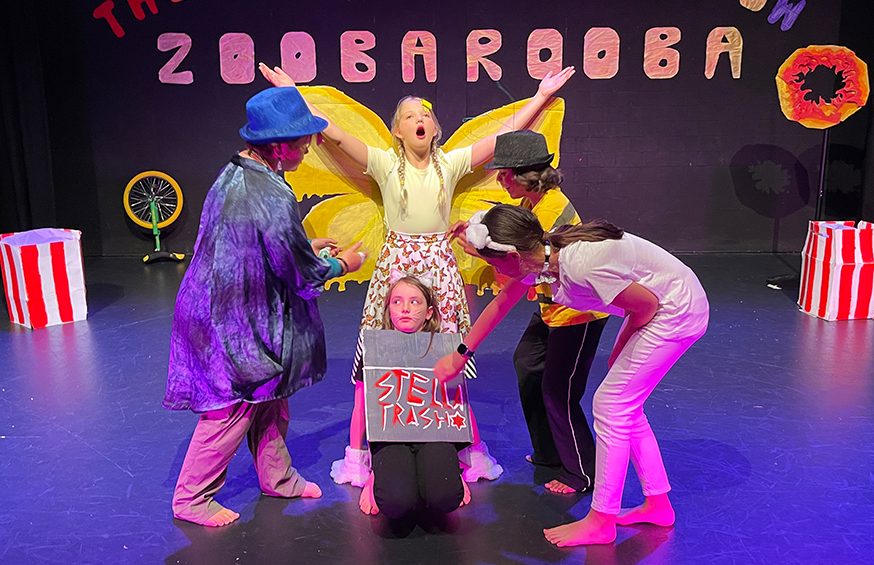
366, 501
654, 510
312, 490
465, 500
537, 463
595, 528
221, 518
559, 487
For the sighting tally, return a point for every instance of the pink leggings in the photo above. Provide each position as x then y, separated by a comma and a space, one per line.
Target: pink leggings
216, 439
621, 427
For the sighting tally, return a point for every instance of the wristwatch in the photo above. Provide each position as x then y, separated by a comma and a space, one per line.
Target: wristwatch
465, 351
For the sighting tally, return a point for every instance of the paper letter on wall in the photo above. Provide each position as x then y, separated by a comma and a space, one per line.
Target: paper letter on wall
659, 59
355, 64
724, 40
167, 74
601, 53
298, 53
419, 43
237, 58
482, 42
539, 41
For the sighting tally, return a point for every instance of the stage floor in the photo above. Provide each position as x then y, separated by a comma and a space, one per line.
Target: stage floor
766, 427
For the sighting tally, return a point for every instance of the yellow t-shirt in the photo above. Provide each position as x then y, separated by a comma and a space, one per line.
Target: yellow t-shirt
423, 213
554, 210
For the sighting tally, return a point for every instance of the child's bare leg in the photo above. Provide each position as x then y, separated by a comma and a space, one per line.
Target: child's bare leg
655, 509
595, 528
366, 501
465, 500
354, 468
357, 425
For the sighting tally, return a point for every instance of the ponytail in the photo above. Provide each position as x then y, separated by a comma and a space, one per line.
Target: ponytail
538, 180
519, 227
596, 230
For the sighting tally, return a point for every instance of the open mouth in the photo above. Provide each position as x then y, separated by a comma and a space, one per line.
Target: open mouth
420, 132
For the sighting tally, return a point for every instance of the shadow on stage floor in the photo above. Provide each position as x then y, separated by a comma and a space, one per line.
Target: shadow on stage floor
766, 426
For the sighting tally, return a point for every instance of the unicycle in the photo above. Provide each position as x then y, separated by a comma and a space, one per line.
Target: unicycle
153, 200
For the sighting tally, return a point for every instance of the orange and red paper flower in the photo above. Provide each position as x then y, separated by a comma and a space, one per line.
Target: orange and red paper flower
821, 112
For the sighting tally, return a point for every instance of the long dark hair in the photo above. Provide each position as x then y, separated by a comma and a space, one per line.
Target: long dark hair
517, 226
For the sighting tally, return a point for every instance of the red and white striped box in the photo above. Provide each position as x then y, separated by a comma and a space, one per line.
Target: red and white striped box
43, 277
837, 271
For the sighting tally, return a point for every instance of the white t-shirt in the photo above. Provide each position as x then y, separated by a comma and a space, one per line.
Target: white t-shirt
423, 214
592, 274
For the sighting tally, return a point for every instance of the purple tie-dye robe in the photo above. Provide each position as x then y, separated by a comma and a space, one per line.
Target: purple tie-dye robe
246, 325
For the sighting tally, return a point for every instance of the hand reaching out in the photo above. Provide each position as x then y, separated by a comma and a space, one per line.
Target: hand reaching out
552, 82
353, 257
458, 231
448, 367
276, 76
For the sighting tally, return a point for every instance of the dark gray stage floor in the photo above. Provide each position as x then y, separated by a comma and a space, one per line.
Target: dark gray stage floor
767, 430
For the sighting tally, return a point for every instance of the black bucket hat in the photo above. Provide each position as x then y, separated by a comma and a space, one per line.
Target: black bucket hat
523, 149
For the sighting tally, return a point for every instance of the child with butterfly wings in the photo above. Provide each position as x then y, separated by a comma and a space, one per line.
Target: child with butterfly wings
416, 179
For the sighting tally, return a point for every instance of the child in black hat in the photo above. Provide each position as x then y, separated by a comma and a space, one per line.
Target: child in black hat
556, 351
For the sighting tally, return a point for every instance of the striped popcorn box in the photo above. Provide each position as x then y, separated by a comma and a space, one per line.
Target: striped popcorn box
43, 277
837, 271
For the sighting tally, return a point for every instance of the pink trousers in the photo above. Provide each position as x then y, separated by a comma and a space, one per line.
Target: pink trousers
216, 439
621, 427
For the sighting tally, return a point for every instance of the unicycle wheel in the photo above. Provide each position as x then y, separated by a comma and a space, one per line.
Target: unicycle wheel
157, 187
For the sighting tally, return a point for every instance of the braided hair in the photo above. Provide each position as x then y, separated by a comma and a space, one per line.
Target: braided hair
402, 160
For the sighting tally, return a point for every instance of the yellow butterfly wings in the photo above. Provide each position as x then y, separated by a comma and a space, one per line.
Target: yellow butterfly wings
351, 207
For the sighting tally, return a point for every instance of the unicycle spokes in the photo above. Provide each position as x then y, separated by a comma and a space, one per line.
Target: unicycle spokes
153, 200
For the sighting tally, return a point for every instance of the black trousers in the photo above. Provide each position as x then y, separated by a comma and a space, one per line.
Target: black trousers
552, 365
407, 476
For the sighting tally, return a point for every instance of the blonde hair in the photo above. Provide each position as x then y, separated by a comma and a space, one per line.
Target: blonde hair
402, 160
432, 324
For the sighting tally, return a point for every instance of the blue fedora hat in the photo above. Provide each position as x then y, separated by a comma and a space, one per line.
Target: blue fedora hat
279, 114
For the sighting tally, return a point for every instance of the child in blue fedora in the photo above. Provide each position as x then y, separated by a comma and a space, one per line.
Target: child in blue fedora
246, 330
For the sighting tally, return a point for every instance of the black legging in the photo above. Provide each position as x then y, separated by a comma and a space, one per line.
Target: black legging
406, 475
552, 365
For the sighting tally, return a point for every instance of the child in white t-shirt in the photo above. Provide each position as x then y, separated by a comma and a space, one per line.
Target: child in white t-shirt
598, 266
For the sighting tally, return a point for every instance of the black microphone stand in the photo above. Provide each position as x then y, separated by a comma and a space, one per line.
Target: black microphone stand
779, 281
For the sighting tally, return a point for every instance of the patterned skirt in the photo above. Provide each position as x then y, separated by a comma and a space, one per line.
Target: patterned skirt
429, 257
